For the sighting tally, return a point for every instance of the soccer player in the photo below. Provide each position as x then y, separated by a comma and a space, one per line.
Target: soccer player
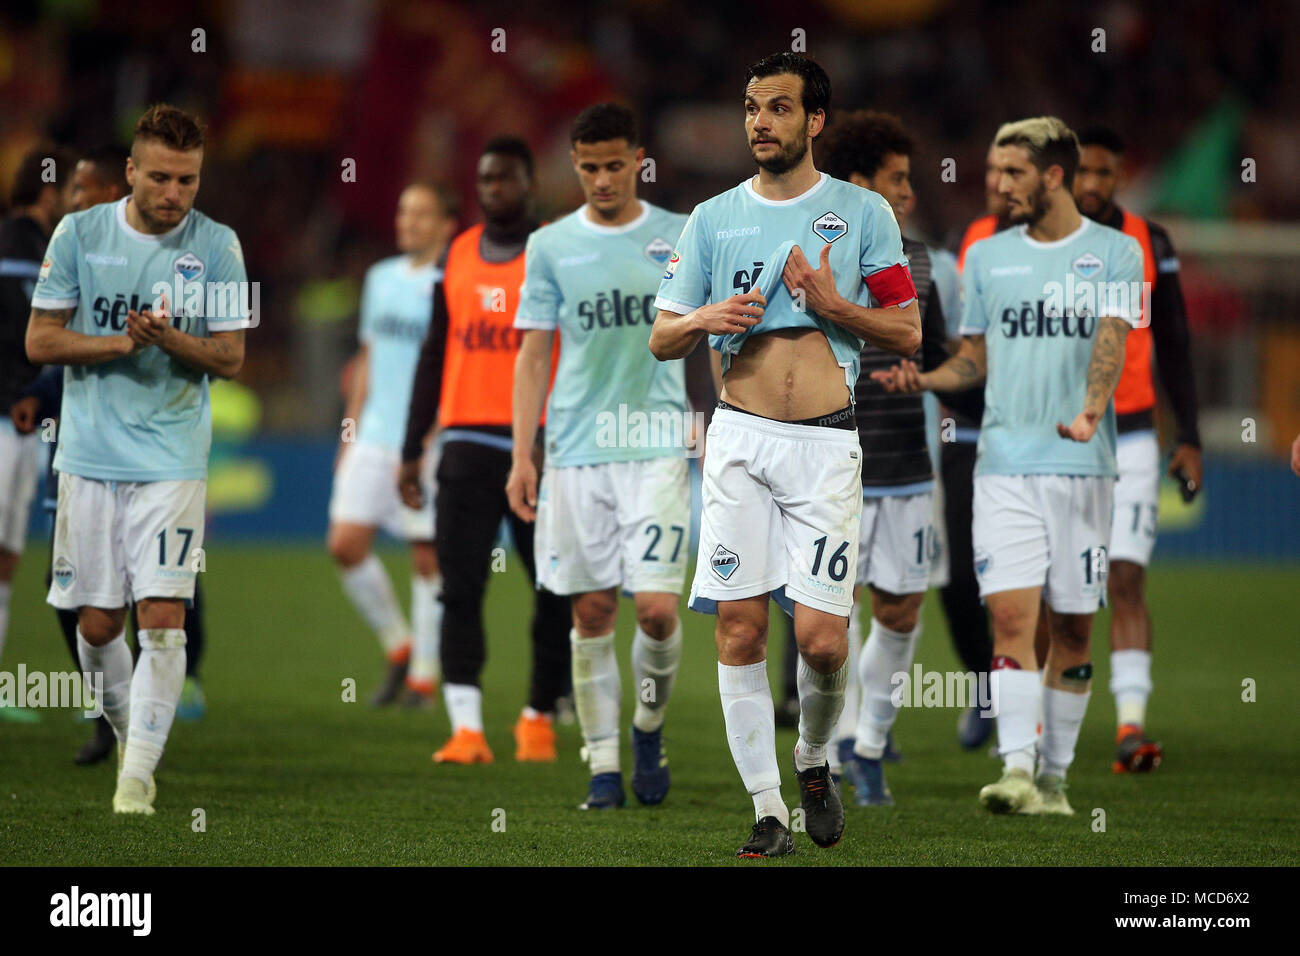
1137, 493
98, 177
897, 537
396, 305
464, 381
612, 511
37, 201
136, 427
782, 495
1045, 313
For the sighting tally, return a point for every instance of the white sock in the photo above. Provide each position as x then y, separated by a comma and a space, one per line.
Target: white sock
886, 653
597, 695
750, 719
155, 691
1017, 696
847, 725
426, 624
1130, 685
113, 661
464, 706
1062, 717
821, 700
6, 589
367, 584
654, 665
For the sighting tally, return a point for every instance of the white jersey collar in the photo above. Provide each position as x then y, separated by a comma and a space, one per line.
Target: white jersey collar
749, 188
1055, 243
597, 228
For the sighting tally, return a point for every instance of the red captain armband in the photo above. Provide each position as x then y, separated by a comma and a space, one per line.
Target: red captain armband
892, 286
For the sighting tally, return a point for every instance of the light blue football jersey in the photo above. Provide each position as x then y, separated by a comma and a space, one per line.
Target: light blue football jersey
396, 306
145, 416
738, 241
611, 400
1037, 304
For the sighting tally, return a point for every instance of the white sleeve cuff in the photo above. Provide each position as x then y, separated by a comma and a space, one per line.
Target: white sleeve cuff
46, 302
228, 325
668, 305
971, 330
527, 322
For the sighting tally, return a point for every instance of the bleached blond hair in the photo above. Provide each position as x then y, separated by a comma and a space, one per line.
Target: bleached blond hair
1048, 141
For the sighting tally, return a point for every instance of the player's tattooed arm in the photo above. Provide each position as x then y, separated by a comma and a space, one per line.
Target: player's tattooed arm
1107, 363
220, 354
967, 369
51, 342
1104, 370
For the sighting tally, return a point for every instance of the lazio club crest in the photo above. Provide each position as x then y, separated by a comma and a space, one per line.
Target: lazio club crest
724, 562
830, 227
658, 251
189, 267
1087, 265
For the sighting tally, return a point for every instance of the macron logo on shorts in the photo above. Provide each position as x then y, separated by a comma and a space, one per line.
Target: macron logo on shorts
64, 575
724, 562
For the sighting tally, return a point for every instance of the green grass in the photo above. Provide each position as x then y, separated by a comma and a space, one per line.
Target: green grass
287, 773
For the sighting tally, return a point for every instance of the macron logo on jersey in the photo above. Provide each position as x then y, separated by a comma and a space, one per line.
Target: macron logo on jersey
740, 231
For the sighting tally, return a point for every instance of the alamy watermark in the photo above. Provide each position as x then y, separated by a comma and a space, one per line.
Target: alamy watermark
640, 429
66, 689
214, 301
943, 689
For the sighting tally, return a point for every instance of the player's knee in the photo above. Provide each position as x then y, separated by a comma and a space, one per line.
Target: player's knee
825, 649
595, 613
1126, 584
99, 627
657, 616
346, 550
157, 613
898, 612
424, 560
741, 637
1072, 633
1010, 621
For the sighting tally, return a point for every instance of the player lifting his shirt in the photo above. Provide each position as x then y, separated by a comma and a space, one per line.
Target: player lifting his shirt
782, 494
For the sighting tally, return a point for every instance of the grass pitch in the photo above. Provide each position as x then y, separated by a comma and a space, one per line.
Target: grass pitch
287, 773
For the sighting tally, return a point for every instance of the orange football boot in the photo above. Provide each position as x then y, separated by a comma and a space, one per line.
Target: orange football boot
1134, 752
465, 746
535, 739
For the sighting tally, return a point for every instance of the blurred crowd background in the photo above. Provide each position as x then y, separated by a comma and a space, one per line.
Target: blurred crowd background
292, 89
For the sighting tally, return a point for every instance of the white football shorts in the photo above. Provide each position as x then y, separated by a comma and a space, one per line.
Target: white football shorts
1049, 531
119, 542
365, 492
782, 505
616, 524
896, 543
19, 464
1137, 498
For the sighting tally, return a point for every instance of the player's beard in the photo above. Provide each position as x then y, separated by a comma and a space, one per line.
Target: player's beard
787, 159
1036, 211
157, 223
